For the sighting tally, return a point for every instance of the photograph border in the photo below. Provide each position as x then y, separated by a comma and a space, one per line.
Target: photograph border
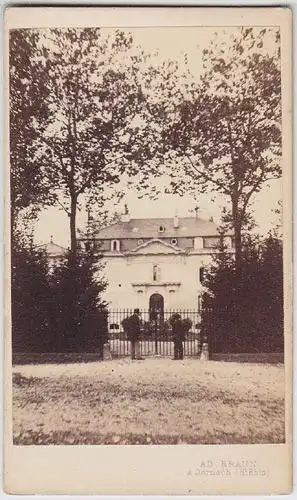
32, 469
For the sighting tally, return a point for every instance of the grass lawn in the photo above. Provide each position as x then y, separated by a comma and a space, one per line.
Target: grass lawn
155, 401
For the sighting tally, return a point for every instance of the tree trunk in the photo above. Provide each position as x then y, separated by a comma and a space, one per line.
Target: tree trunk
238, 248
238, 275
237, 236
73, 244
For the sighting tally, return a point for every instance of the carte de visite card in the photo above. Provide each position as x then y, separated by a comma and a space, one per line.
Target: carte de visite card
148, 261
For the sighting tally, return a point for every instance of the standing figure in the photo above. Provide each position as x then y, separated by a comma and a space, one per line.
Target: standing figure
178, 335
134, 334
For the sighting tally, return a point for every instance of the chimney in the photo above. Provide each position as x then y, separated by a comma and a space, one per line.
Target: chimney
175, 222
125, 217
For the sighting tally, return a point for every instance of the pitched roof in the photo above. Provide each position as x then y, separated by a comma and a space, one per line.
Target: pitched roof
52, 249
149, 228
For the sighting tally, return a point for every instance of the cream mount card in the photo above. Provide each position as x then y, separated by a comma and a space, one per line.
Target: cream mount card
148, 250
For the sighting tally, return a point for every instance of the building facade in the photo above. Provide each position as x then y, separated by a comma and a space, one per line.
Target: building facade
157, 263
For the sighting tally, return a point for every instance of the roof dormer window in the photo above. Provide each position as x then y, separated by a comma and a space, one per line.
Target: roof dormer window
115, 245
161, 229
211, 242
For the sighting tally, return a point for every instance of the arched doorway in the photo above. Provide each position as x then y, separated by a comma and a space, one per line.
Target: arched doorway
156, 307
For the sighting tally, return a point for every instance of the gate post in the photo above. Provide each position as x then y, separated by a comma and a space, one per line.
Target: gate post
107, 352
204, 352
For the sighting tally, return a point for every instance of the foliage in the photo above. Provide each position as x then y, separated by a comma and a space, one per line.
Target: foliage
148, 329
79, 316
59, 310
255, 322
164, 330
224, 136
28, 90
86, 127
30, 295
186, 324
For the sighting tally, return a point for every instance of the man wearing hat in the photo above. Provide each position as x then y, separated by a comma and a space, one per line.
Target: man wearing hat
134, 334
178, 335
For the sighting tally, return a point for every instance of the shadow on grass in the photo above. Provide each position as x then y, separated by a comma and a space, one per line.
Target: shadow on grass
54, 358
31, 437
63, 358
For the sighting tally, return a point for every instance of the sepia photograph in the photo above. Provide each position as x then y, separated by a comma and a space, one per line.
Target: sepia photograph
146, 236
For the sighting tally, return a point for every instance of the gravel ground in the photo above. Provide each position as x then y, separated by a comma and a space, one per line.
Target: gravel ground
155, 401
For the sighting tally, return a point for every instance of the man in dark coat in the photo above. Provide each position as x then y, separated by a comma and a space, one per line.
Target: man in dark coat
178, 336
134, 334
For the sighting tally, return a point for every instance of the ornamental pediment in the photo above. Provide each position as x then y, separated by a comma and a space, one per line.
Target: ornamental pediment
155, 246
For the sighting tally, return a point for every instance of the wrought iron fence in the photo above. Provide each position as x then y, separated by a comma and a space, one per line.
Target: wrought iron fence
226, 329
155, 332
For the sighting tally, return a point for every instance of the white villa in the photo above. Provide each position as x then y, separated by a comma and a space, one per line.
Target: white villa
157, 263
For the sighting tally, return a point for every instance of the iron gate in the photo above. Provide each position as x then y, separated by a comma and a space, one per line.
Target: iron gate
155, 333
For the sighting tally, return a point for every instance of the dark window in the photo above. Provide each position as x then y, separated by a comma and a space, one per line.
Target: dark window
156, 273
174, 241
115, 245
